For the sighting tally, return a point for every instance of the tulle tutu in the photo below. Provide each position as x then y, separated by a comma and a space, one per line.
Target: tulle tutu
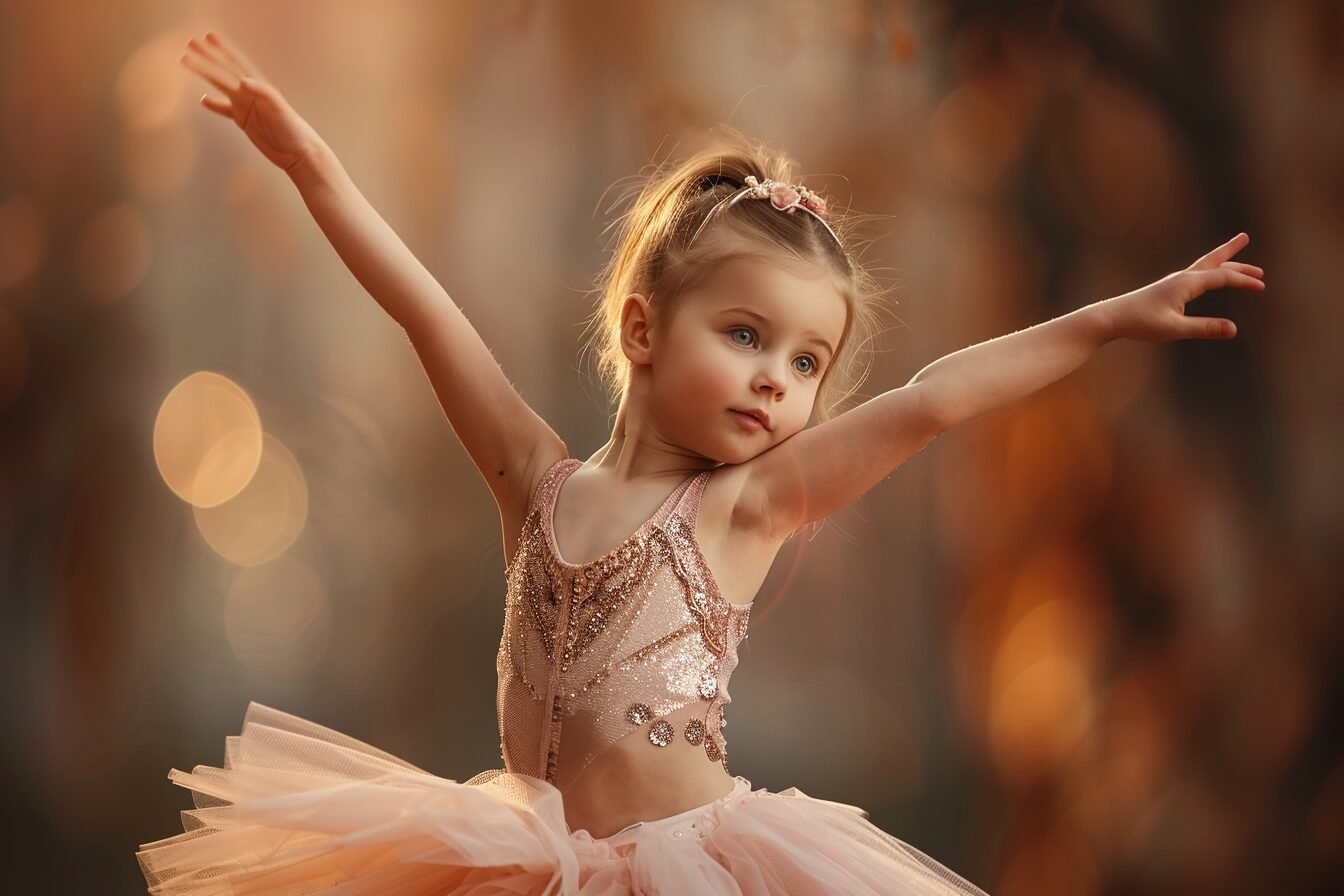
299, 808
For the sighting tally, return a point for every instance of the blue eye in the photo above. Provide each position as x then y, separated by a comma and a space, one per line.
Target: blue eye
811, 365
747, 330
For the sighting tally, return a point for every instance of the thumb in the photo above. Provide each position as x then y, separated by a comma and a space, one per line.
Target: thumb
1212, 328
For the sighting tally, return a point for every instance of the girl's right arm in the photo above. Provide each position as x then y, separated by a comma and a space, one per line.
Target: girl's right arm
509, 443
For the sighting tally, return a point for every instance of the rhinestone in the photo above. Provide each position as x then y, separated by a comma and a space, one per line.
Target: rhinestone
709, 686
661, 733
712, 750
638, 713
678, 834
695, 732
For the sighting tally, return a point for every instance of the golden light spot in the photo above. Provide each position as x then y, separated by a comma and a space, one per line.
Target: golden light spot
1040, 700
207, 439
264, 519
152, 80
1037, 716
13, 357
278, 619
114, 253
21, 241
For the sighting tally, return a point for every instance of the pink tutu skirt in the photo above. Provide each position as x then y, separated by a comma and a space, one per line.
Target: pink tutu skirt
299, 808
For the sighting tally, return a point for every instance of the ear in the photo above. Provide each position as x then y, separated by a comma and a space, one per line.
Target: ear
637, 329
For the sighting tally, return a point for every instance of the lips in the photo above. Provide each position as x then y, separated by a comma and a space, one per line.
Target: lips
755, 420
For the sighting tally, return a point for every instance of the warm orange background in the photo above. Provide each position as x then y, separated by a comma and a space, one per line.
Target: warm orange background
1086, 644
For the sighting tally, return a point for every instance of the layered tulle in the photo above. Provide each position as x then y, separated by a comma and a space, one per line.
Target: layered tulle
299, 808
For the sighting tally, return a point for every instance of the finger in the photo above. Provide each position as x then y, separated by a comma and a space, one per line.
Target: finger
233, 53
1209, 328
1222, 253
1253, 270
202, 66
212, 54
1225, 277
222, 107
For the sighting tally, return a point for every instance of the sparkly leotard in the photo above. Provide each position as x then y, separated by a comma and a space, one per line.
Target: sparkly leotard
637, 643
627, 653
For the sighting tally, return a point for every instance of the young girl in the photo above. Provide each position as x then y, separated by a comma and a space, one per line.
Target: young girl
731, 309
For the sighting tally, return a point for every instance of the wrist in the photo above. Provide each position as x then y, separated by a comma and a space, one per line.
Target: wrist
1104, 321
316, 167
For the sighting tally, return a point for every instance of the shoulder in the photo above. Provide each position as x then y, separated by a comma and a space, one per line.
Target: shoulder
513, 512
733, 506
545, 465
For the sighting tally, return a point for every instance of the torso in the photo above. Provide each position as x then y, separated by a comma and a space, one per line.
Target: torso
738, 556
672, 780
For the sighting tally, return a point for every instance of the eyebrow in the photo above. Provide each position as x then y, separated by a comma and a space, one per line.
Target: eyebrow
763, 319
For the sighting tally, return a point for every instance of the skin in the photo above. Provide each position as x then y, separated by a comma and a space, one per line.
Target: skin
659, 436
699, 360
693, 362
689, 368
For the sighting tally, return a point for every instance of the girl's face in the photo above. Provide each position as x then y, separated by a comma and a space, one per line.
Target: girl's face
757, 335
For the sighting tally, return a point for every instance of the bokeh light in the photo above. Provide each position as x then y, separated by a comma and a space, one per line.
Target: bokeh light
262, 520
207, 439
22, 242
115, 253
1086, 643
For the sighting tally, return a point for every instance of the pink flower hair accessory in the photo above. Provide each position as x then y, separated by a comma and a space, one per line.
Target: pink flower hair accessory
785, 197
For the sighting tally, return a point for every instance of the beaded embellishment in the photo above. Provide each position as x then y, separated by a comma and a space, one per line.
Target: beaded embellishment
623, 641
661, 733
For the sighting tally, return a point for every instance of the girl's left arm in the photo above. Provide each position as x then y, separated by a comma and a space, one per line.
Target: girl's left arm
822, 469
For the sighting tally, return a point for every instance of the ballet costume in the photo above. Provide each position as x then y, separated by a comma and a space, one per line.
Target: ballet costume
635, 649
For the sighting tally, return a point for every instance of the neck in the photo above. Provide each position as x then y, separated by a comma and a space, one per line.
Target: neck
636, 450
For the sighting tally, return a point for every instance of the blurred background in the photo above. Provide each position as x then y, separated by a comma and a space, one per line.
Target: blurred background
1086, 644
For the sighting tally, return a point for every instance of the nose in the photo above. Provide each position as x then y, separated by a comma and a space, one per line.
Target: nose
770, 380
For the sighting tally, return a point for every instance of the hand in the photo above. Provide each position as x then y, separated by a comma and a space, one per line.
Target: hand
253, 103
1156, 313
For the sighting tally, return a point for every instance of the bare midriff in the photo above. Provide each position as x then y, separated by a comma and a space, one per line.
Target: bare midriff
633, 780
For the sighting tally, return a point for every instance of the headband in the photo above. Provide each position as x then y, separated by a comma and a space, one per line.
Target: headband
785, 198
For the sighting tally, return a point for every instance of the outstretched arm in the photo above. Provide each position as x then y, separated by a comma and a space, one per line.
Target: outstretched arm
506, 440
822, 469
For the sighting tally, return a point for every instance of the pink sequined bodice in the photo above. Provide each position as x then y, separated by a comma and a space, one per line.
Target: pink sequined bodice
637, 643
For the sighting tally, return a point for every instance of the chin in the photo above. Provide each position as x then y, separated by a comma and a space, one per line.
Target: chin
740, 454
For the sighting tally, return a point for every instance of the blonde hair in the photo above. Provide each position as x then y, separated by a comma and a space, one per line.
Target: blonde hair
661, 251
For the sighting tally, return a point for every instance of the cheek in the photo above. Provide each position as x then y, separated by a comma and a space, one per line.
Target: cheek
700, 374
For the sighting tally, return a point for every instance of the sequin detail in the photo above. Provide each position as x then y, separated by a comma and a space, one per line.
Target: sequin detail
712, 750
591, 651
695, 732
661, 733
